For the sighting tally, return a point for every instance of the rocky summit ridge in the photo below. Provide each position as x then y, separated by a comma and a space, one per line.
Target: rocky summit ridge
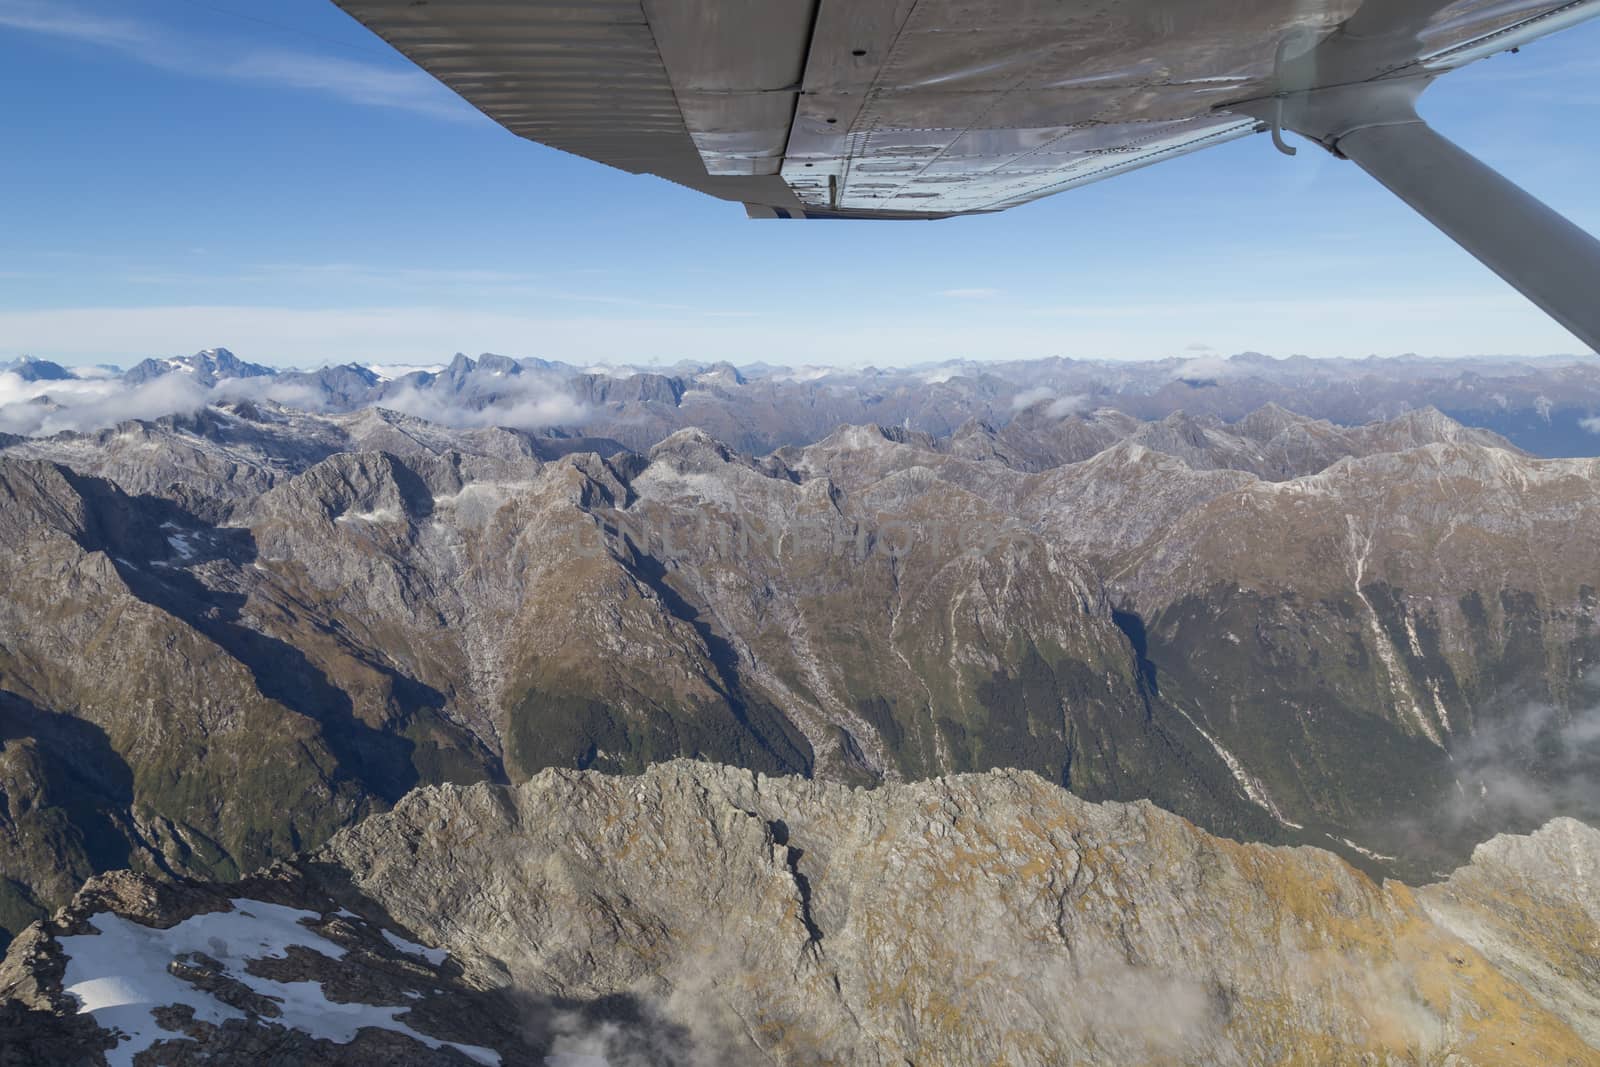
700, 914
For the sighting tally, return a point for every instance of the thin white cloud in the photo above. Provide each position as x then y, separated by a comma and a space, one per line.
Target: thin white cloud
530, 406
1029, 397
1062, 406
1407, 306
400, 276
1591, 424
1204, 367
391, 371
357, 81
1531, 763
970, 294
59, 20
521, 285
289, 394
1058, 407
93, 371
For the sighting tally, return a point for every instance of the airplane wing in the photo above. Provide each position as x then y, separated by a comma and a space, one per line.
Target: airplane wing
900, 108
922, 109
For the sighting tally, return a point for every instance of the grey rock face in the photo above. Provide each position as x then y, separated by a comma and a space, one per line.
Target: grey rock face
1528, 905
207, 368
705, 915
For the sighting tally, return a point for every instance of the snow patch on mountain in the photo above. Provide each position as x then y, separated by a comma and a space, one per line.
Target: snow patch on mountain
119, 974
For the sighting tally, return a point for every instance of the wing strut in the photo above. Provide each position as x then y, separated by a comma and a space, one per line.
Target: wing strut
1551, 261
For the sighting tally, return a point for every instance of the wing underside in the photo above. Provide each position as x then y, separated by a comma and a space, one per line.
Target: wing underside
902, 108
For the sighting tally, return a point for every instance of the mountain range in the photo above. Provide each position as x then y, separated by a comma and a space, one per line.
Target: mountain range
334, 657
1548, 406
228, 635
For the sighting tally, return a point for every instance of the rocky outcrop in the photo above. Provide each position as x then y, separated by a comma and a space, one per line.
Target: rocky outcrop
702, 915
139, 971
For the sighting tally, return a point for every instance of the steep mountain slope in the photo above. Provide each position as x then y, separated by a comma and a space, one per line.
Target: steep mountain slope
1434, 609
704, 915
151, 719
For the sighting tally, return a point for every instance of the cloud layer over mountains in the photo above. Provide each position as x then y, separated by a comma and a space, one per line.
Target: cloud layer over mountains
42, 408
1548, 407
38, 398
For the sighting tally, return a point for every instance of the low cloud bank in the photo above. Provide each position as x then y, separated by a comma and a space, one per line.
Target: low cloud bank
38, 409
515, 403
1204, 368
289, 394
1029, 397
1532, 765
1058, 406
95, 401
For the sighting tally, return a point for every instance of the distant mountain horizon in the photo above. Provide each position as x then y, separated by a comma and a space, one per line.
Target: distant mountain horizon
1548, 406
764, 368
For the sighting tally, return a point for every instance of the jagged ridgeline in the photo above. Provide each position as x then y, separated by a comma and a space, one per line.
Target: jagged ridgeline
225, 636
704, 916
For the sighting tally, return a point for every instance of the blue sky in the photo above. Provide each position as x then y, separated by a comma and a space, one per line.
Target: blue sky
181, 174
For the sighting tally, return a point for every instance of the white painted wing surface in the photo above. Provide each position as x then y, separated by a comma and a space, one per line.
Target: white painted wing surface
912, 108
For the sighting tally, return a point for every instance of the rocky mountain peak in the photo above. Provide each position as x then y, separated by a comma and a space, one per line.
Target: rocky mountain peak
1429, 425
206, 368
350, 487
721, 375
1269, 421
489, 363
30, 369
874, 438
692, 449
